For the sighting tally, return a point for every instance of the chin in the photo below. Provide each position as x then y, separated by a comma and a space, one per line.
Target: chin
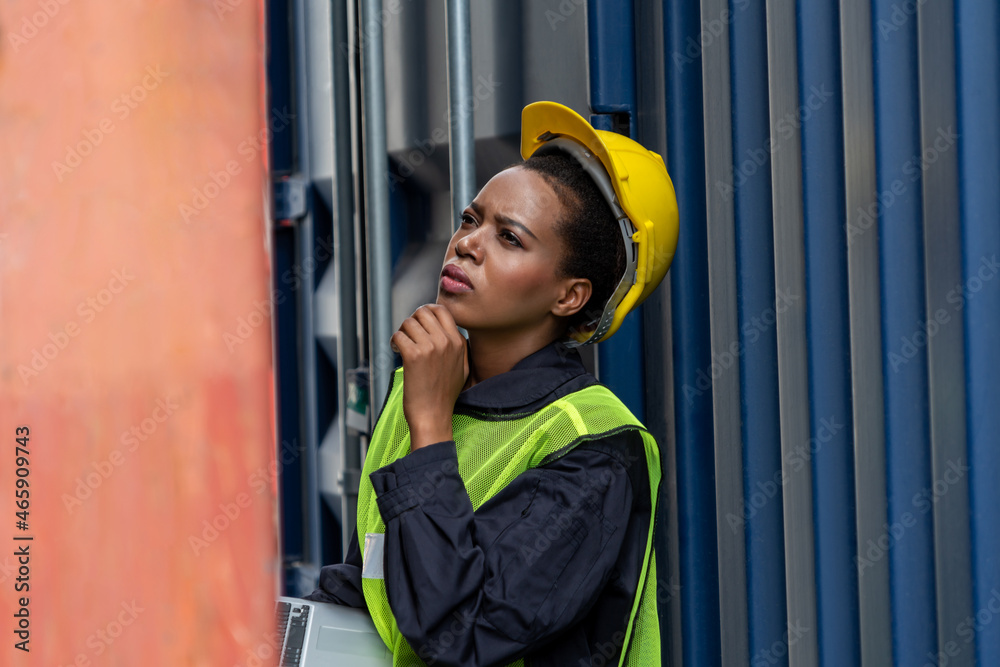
450, 305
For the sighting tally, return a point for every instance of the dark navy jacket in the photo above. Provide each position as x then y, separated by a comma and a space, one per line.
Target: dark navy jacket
545, 570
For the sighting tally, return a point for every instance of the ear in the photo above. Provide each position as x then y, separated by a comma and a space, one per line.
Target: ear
574, 296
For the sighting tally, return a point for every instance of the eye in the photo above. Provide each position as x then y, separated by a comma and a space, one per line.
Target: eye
510, 238
468, 219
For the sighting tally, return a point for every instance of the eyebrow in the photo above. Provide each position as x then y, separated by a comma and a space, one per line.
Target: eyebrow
504, 219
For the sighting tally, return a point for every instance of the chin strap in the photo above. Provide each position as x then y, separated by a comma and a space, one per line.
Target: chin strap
595, 328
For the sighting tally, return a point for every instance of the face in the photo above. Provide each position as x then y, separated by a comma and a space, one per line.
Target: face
501, 271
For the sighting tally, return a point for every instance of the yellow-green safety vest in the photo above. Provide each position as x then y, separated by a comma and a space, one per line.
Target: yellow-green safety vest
491, 453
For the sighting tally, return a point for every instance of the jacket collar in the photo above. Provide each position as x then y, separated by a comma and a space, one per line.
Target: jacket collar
536, 380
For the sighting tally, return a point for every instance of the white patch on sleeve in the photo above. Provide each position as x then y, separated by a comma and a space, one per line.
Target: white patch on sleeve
373, 556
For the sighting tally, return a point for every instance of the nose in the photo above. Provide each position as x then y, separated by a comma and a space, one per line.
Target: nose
468, 244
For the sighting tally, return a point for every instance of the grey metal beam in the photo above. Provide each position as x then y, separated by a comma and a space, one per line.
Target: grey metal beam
946, 346
793, 374
724, 330
866, 329
344, 258
651, 131
376, 198
305, 242
462, 146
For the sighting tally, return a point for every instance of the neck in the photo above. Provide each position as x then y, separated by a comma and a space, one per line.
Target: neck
492, 353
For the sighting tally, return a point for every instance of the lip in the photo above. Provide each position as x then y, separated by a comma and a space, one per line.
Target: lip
455, 280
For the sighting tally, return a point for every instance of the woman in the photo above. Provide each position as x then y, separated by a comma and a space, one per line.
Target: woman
507, 497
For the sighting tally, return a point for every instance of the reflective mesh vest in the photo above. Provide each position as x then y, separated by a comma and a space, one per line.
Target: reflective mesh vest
491, 453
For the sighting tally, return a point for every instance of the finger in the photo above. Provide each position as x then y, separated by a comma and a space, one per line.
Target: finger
401, 343
433, 327
414, 329
427, 317
447, 322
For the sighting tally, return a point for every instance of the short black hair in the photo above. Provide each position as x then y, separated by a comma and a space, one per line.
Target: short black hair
594, 246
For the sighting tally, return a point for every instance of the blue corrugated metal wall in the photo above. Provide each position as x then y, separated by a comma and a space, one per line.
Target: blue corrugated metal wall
878, 194
821, 368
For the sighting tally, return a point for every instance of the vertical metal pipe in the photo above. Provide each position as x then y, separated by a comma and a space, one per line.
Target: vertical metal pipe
376, 197
945, 349
462, 140
651, 130
611, 54
793, 374
734, 621
866, 331
305, 239
343, 239
691, 352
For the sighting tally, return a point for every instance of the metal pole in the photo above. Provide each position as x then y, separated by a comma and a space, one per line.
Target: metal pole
376, 197
305, 239
343, 230
462, 147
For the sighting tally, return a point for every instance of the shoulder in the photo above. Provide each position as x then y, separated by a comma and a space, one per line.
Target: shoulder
616, 459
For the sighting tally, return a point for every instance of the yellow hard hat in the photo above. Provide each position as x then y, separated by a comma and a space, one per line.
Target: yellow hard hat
636, 185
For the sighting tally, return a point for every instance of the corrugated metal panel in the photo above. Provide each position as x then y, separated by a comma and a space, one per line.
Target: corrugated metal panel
829, 450
724, 328
832, 127
828, 428
698, 556
907, 540
977, 300
759, 522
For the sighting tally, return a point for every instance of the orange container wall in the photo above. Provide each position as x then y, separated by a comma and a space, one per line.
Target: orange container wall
135, 333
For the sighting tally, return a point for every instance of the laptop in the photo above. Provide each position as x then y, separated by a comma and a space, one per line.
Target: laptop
319, 634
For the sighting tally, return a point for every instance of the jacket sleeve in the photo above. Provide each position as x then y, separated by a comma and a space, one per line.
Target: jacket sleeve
341, 583
486, 587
